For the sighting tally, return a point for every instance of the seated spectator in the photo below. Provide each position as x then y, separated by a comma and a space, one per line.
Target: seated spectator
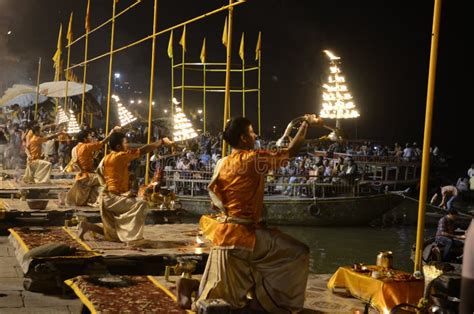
338, 166
350, 173
327, 171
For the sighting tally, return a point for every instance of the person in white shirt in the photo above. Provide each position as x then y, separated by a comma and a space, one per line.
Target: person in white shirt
408, 152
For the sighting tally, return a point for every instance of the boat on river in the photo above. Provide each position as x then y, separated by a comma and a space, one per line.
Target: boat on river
324, 204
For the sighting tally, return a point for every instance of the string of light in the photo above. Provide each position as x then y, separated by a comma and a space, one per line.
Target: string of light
337, 100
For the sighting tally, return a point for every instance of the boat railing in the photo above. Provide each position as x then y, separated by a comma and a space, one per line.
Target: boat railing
194, 183
366, 158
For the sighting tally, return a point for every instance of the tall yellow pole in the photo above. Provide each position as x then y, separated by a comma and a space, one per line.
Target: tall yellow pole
243, 87
182, 79
227, 74
84, 77
67, 74
204, 96
109, 89
37, 88
427, 135
259, 91
172, 85
152, 81
91, 119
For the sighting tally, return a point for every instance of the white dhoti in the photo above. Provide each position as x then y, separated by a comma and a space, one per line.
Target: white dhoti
276, 272
37, 171
84, 191
123, 218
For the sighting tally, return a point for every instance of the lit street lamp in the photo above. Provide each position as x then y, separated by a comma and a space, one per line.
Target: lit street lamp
117, 75
199, 111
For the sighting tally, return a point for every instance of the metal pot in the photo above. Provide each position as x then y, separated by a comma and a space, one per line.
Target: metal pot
385, 259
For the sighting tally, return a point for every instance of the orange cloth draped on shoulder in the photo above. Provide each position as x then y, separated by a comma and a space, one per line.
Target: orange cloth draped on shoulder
240, 187
85, 157
384, 294
116, 170
27, 138
35, 146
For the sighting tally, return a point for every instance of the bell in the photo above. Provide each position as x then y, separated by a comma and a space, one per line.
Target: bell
385, 259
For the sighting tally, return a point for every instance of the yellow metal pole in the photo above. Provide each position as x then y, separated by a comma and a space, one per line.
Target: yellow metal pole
84, 77
259, 91
182, 80
67, 78
427, 135
109, 89
37, 88
152, 81
243, 88
227, 74
172, 86
91, 119
204, 96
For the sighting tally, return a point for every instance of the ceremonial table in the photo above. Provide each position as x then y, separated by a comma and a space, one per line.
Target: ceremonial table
393, 288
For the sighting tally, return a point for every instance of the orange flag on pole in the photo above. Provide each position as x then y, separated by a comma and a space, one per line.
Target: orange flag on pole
170, 46
87, 22
182, 42
259, 46
224, 33
69, 30
242, 49
203, 51
57, 54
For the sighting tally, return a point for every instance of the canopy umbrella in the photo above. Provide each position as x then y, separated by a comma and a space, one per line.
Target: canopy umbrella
22, 95
58, 89
25, 100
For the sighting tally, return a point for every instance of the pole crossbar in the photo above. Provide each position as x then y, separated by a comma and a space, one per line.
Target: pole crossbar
157, 34
214, 70
105, 23
209, 88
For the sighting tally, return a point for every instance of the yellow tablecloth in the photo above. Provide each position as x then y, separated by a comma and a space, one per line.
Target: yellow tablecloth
384, 294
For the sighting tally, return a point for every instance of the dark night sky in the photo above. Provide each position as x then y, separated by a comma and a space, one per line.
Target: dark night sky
384, 47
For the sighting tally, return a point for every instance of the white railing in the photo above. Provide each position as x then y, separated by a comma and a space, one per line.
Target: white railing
194, 183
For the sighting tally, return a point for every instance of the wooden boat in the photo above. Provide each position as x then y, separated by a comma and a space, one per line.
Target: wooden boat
322, 212
331, 203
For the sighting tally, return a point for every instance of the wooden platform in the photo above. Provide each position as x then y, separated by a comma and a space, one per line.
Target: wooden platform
16, 213
13, 187
96, 297
17, 205
55, 173
167, 244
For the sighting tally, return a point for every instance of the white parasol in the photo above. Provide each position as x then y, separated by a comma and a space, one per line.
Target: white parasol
22, 95
58, 89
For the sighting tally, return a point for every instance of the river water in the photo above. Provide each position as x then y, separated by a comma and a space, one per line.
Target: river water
334, 247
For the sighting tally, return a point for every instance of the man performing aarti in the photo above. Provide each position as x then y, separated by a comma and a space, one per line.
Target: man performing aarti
123, 216
248, 258
86, 186
37, 170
